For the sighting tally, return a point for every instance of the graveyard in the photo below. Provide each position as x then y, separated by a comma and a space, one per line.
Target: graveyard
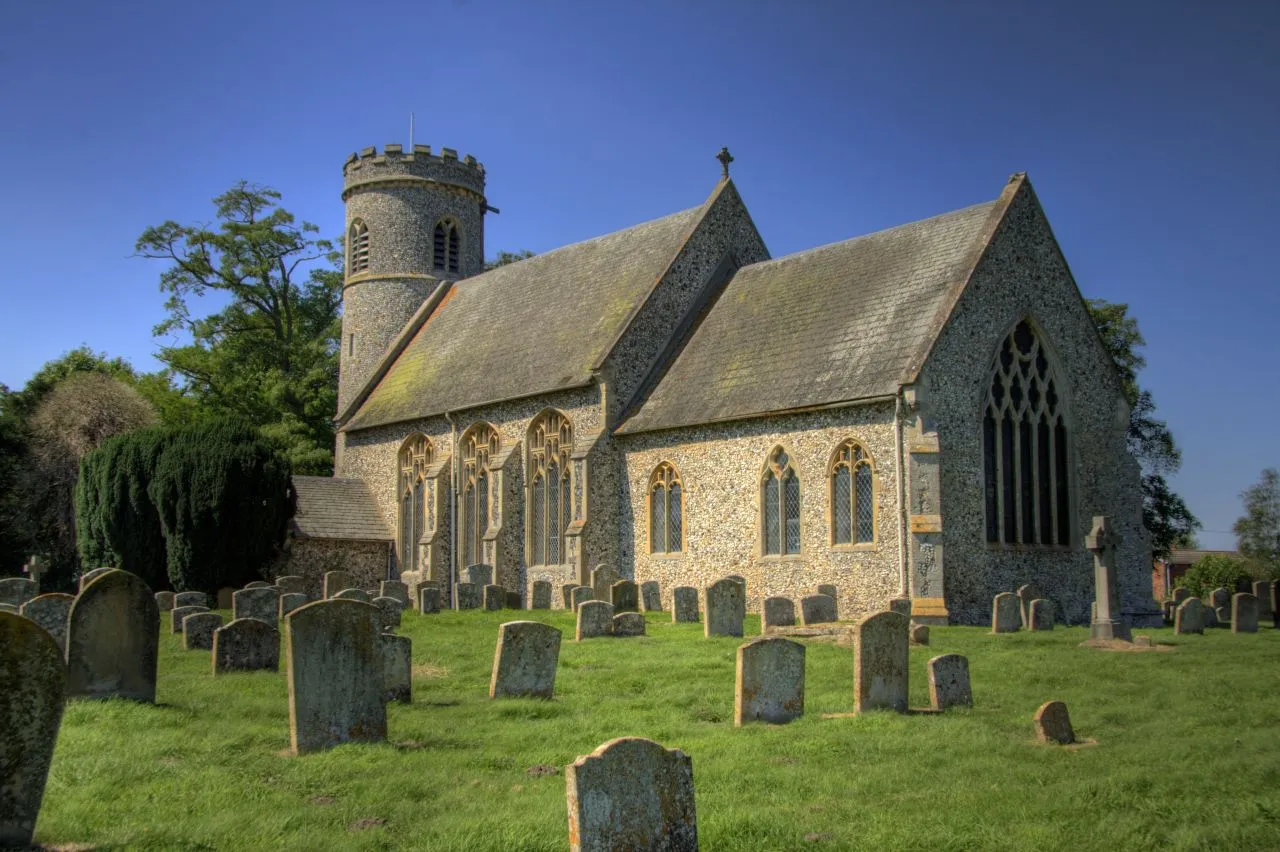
1176, 748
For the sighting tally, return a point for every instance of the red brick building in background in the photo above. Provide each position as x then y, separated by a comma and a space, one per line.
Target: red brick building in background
1165, 572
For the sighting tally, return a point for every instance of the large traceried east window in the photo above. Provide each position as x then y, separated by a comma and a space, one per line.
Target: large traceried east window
358, 247
1024, 447
415, 457
780, 505
445, 246
550, 497
853, 510
479, 444
666, 510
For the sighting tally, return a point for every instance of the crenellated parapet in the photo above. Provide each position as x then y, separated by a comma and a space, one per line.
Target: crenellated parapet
394, 165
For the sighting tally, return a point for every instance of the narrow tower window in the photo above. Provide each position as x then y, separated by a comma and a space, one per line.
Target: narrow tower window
445, 246
358, 247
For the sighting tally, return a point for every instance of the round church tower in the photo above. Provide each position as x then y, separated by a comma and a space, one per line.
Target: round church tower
413, 220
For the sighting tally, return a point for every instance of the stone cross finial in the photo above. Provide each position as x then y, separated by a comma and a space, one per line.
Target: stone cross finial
725, 159
1101, 538
1107, 622
33, 569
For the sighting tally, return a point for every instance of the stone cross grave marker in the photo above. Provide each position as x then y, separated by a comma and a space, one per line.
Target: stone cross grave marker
525, 660
261, 603
1244, 613
770, 682
778, 612
651, 596
1103, 541
595, 618
397, 668
1053, 724
113, 639
1189, 617
541, 594
336, 581
198, 628
50, 612
949, 682
725, 605
1005, 616
881, 652
625, 596
246, 645
684, 605
817, 609
179, 613
628, 624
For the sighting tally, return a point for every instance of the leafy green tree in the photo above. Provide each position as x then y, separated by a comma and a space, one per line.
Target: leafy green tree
14, 543
1164, 513
505, 257
270, 356
1258, 529
1211, 571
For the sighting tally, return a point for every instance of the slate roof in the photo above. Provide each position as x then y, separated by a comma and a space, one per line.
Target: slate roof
337, 508
531, 327
842, 322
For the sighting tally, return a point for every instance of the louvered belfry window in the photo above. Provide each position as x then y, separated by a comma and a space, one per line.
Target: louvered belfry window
1024, 447
852, 495
550, 492
415, 457
479, 444
445, 246
358, 247
666, 510
780, 506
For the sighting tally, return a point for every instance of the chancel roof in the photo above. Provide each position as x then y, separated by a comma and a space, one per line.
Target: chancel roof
337, 509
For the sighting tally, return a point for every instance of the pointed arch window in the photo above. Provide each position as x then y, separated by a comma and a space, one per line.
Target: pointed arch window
358, 247
479, 444
666, 510
415, 457
550, 494
445, 246
853, 510
1024, 447
780, 505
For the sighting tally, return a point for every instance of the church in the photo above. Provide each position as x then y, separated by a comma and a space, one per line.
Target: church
925, 412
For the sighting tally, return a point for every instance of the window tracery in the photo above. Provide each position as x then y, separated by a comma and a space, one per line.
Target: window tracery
780, 505
479, 444
666, 510
852, 495
415, 457
550, 487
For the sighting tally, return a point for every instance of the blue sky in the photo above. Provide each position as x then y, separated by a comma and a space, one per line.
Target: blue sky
1148, 129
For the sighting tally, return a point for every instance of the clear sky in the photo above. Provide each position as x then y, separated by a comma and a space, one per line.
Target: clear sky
1148, 129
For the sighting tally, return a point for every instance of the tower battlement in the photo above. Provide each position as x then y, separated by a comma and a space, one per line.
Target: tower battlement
395, 165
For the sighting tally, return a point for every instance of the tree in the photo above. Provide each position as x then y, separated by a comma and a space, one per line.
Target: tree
505, 257
1211, 571
1258, 529
1164, 513
271, 355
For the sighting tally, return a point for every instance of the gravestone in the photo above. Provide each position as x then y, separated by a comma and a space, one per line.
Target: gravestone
525, 660
164, 601
257, 584
50, 612
290, 601
179, 613
479, 575
352, 595
1275, 602
397, 668
919, 633
602, 579
625, 596
651, 596
1189, 617
291, 584
770, 684
725, 605
902, 606
89, 576
1005, 617
113, 639
1040, 615
191, 599
246, 645
261, 603
1219, 597
1180, 594
394, 589
33, 687
817, 609
1223, 614
513, 601
566, 595
468, 596
391, 609
595, 618
336, 581
778, 612
197, 630
335, 672
738, 578
542, 594
582, 594
428, 600
224, 597
8, 607
1103, 541
949, 682
828, 589
495, 597
1053, 724
1027, 593
1167, 608
631, 794
1210, 616
881, 651
1244, 613
684, 605
1262, 591
628, 624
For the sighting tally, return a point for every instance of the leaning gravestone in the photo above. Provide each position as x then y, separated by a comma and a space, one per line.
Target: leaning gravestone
1244, 613
1026, 594
164, 600
725, 606
468, 596
684, 605
770, 684
479, 575
949, 682
1053, 724
291, 584
257, 584
817, 609
394, 589
335, 673
625, 596
397, 668
602, 579
1005, 617
582, 594
89, 576
260, 602
336, 581
631, 794
542, 594
391, 612
113, 639
881, 651
190, 599
495, 597
50, 612
778, 612
197, 630
595, 618
1040, 615
525, 660
628, 624
651, 596
352, 595
1189, 617
33, 687
246, 645
428, 600
1219, 597
290, 601
179, 613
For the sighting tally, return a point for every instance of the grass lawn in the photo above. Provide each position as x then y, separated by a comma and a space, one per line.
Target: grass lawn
1187, 752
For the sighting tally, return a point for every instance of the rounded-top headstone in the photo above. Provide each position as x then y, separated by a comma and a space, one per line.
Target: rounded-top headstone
1006, 615
631, 793
257, 584
260, 602
770, 682
724, 607
16, 591
164, 600
336, 581
525, 660
190, 599
949, 682
50, 612
352, 595
246, 645
881, 653
198, 629
595, 618
113, 639
1053, 723
89, 576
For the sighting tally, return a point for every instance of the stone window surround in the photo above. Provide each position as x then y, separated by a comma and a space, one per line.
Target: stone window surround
451, 228
415, 456
357, 247
853, 546
477, 446
660, 472
535, 451
782, 555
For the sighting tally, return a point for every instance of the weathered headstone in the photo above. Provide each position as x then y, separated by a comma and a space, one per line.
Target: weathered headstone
829, 589
1040, 615
1223, 614
113, 639
566, 595
164, 601
468, 596
352, 595
725, 605
513, 600
179, 613
291, 584
595, 618
33, 687
628, 624
336, 581
89, 576
428, 600
684, 605
525, 660
949, 682
397, 668
817, 609
1027, 593
738, 578
1053, 724
625, 596
260, 602
1180, 594
1189, 617
778, 612
881, 651
246, 645
50, 612
1210, 617
919, 633
1244, 613
495, 597
1219, 597
256, 584
224, 596
335, 672
1262, 591
1103, 541
541, 594
582, 594
631, 794
651, 596
902, 606
602, 579
1167, 609
8, 607
290, 601
1005, 617
190, 599
197, 630
391, 610
770, 685
479, 575
394, 589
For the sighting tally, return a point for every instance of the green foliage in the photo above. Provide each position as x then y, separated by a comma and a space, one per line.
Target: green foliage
1211, 571
1258, 529
505, 257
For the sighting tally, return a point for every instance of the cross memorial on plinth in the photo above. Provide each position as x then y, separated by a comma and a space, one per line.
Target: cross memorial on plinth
1107, 621
34, 570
